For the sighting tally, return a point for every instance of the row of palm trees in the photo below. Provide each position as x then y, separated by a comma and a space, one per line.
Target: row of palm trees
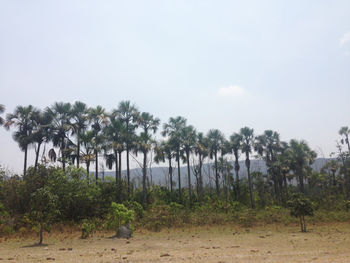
80, 134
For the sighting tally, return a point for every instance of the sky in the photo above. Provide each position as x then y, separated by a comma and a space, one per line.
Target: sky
280, 65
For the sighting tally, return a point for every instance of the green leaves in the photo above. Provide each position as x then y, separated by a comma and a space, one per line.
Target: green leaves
119, 215
300, 206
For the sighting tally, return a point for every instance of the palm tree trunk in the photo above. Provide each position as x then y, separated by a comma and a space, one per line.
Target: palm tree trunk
88, 168
200, 177
189, 177
96, 165
127, 167
25, 160
179, 173
216, 175
63, 155
37, 152
237, 178
144, 176
170, 175
116, 167
247, 162
78, 149
120, 167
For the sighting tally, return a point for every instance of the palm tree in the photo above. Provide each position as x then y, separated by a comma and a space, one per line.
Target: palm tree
2, 109
188, 138
98, 119
164, 150
149, 125
22, 118
115, 133
282, 166
128, 113
87, 141
225, 168
79, 115
172, 129
301, 158
41, 131
268, 147
60, 114
345, 131
201, 150
236, 141
216, 139
247, 145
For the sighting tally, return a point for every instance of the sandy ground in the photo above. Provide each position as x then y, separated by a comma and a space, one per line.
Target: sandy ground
328, 243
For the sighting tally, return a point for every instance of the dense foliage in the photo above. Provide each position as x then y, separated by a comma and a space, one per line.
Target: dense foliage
59, 187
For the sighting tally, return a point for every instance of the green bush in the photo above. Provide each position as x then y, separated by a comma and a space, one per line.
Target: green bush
118, 216
87, 229
136, 207
300, 206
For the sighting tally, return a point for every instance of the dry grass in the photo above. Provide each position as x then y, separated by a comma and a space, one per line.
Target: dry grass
273, 243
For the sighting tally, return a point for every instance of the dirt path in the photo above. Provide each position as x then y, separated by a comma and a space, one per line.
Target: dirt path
329, 243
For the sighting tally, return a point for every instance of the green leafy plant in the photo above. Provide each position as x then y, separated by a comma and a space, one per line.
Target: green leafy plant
43, 210
118, 216
87, 229
300, 206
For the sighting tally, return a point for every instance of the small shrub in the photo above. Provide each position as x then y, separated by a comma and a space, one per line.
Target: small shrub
118, 216
87, 229
300, 206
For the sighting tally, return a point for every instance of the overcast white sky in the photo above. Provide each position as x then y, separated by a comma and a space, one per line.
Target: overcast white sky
281, 65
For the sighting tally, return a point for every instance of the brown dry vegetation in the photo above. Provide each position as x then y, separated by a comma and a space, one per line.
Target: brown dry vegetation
273, 243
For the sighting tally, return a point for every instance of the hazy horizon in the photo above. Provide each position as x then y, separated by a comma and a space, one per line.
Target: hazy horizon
225, 65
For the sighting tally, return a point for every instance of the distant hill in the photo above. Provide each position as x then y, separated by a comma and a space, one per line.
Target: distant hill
159, 175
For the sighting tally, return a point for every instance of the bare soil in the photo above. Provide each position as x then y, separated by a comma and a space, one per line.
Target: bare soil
273, 243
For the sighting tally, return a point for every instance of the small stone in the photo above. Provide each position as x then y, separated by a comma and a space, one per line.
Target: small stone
165, 255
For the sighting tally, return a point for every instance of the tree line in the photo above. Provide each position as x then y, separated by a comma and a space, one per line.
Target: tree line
81, 134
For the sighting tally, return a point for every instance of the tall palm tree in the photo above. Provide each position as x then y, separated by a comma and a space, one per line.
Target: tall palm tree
172, 129
41, 131
236, 141
149, 125
128, 113
216, 139
188, 138
345, 131
201, 149
61, 115
225, 168
115, 132
268, 147
301, 158
87, 141
282, 166
247, 147
2, 109
164, 150
22, 118
79, 118
98, 119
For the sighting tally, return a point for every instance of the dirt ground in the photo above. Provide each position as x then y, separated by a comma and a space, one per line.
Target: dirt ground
327, 243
